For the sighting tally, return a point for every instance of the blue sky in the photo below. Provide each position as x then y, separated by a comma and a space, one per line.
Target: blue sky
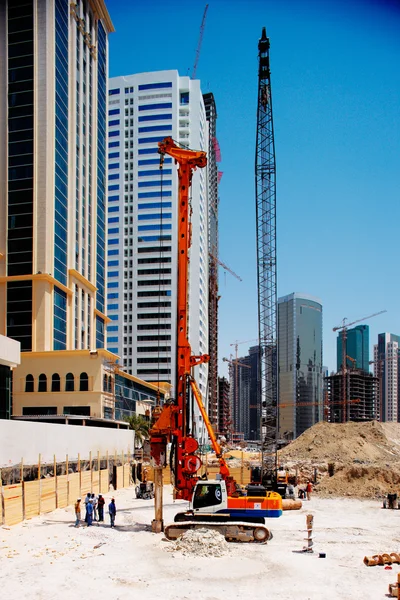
336, 98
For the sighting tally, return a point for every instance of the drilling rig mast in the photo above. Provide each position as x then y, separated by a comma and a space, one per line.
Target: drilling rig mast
265, 172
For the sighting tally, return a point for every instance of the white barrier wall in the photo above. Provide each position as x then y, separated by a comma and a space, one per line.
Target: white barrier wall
26, 440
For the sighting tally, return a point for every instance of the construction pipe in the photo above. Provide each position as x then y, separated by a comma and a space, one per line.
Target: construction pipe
382, 559
291, 504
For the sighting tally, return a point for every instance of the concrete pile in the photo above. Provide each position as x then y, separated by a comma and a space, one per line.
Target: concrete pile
200, 542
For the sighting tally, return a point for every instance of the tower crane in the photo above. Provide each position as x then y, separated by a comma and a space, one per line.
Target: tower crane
343, 328
196, 60
224, 266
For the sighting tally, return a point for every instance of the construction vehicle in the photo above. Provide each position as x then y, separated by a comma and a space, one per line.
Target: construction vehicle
217, 504
145, 490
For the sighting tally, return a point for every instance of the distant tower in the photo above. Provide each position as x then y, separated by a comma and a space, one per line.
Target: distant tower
266, 254
357, 348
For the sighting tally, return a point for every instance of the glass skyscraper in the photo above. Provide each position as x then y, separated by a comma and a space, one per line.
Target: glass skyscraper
53, 82
300, 363
357, 348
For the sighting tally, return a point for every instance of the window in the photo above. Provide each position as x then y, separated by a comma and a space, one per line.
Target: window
113, 198
114, 165
83, 411
155, 182
155, 86
165, 117
113, 133
55, 383
113, 122
114, 92
149, 151
152, 128
153, 161
151, 140
83, 382
155, 106
29, 383
113, 188
184, 97
114, 111
69, 382
155, 227
154, 172
115, 155
113, 144
166, 193
113, 176
42, 383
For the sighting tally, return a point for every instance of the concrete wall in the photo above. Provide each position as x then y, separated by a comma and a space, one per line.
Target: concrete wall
23, 439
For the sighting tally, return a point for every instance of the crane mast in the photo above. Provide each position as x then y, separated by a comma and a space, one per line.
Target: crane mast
265, 172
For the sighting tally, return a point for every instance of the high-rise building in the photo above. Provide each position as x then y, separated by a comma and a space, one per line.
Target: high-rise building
53, 168
143, 109
224, 417
245, 394
300, 363
387, 369
357, 348
53, 162
213, 296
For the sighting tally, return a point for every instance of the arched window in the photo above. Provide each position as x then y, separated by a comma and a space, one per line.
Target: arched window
110, 384
105, 383
69, 382
55, 383
84, 382
42, 383
29, 383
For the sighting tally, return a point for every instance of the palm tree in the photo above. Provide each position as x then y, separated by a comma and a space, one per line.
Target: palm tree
140, 426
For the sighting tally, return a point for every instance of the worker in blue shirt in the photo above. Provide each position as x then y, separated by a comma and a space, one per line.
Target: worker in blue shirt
112, 511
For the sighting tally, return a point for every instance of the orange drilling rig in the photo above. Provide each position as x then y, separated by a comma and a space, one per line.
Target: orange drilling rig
218, 504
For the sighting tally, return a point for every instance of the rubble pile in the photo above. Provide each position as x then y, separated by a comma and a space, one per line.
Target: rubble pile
200, 542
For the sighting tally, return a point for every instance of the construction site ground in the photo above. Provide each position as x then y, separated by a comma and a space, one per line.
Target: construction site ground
47, 558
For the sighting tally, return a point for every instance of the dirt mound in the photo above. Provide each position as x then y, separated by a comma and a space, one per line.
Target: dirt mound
200, 542
370, 443
360, 482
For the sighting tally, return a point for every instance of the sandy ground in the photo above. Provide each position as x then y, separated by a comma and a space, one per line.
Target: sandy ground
47, 558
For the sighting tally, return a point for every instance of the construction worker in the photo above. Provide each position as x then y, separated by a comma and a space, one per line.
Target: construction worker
77, 512
309, 490
112, 511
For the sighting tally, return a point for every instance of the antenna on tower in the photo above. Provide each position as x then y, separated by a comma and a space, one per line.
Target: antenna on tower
196, 61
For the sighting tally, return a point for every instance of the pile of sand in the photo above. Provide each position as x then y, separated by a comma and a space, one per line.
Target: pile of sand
365, 456
200, 542
367, 443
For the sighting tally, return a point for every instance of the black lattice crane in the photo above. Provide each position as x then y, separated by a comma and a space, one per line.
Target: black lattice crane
265, 172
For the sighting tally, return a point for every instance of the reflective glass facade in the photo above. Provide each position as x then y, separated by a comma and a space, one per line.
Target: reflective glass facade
300, 363
61, 142
101, 165
357, 348
20, 169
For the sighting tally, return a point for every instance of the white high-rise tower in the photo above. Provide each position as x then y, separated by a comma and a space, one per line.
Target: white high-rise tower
143, 109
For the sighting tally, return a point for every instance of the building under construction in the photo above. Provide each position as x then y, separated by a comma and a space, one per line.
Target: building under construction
362, 392
224, 409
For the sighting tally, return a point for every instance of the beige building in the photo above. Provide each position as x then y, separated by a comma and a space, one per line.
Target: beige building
82, 383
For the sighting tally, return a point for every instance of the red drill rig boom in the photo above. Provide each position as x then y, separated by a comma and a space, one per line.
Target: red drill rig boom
216, 503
